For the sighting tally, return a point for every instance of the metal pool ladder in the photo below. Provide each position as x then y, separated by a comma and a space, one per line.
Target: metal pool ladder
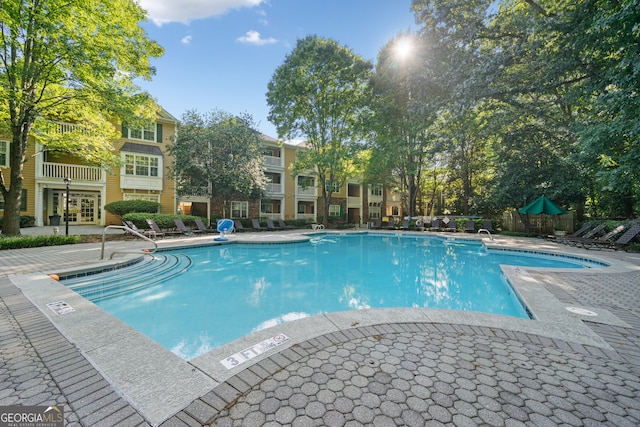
104, 234
486, 231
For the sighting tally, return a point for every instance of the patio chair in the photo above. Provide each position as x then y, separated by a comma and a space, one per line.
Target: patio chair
405, 225
377, 225
237, 225
487, 225
581, 230
451, 225
628, 236
602, 241
255, 224
154, 227
183, 228
589, 235
470, 226
435, 224
284, 225
391, 225
271, 226
131, 226
203, 228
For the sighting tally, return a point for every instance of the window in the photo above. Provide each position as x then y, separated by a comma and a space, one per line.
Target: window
4, 153
152, 134
266, 207
239, 209
332, 187
334, 210
141, 165
376, 190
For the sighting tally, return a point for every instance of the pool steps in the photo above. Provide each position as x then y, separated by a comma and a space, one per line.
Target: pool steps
148, 272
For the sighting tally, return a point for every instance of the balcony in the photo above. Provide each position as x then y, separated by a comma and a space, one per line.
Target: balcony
76, 173
307, 191
273, 188
273, 162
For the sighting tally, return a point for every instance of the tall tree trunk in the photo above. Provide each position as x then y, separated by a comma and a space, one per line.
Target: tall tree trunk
11, 218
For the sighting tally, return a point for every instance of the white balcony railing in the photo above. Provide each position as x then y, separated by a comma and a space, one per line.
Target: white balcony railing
308, 191
274, 188
74, 172
270, 161
61, 128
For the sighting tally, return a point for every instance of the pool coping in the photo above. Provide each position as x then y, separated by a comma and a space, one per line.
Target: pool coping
158, 383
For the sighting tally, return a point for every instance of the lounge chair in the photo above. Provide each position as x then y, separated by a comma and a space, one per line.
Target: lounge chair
470, 226
589, 235
271, 226
203, 228
131, 226
255, 224
451, 225
284, 225
183, 228
377, 225
435, 224
627, 237
391, 225
154, 227
487, 225
581, 230
601, 241
405, 225
237, 225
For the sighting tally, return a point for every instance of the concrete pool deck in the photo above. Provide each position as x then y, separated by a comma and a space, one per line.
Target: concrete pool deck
367, 367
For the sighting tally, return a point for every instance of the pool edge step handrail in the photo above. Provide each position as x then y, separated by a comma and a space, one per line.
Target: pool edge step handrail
486, 231
130, 230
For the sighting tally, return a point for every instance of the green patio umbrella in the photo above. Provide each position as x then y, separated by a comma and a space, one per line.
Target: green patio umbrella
542, 205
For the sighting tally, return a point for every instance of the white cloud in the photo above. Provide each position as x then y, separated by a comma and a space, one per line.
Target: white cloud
185, 11
253, 37
186, 40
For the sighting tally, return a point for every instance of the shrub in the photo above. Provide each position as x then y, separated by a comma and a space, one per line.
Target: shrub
25, 221
20, 242
123, 207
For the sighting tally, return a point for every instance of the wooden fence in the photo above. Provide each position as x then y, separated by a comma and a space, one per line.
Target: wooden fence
512, 221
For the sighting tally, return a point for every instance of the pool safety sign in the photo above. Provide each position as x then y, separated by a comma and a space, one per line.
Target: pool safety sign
60, 307
253, 351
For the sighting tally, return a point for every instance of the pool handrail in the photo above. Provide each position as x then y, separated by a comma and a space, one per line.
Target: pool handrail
129, 230
486, 231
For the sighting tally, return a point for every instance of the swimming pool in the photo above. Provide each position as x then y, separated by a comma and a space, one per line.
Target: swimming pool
201, 298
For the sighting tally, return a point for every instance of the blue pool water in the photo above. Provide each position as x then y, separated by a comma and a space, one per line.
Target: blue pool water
225, 292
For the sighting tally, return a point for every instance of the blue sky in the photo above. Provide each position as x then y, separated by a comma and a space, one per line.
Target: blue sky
220, 54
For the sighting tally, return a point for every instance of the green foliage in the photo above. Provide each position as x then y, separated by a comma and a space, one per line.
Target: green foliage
123, 207
320, 93
20, 242
25, 221
74, 61
218, 151
556, 82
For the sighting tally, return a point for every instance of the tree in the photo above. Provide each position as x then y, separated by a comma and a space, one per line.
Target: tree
221, 153
320, 93
401, 142
71, 60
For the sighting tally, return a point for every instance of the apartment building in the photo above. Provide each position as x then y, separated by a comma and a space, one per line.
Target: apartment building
299, 197
144, 175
